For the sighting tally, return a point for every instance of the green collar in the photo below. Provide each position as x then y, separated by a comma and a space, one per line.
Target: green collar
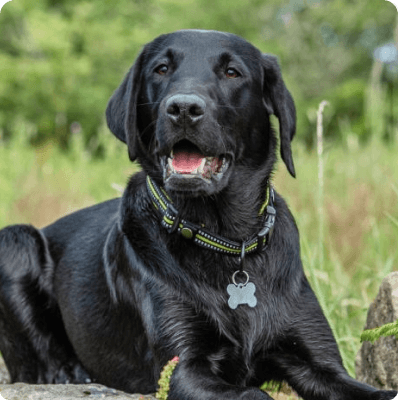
171, 220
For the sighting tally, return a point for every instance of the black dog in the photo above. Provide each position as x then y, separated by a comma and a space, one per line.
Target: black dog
199, 258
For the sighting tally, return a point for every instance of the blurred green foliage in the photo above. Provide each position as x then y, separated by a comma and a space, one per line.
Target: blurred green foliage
60, 60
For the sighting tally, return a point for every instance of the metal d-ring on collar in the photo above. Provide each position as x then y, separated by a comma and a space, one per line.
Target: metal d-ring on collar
171, 221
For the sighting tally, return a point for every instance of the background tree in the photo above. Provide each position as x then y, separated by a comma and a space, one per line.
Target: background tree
60, 60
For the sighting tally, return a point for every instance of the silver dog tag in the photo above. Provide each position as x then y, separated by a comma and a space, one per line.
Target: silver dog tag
241, 293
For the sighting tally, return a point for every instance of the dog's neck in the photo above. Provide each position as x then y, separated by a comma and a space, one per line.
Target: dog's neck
236, 214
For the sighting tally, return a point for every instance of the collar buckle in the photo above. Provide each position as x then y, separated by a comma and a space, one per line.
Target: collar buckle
264, 236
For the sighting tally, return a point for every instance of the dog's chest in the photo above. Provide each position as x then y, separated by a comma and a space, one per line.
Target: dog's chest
240, 346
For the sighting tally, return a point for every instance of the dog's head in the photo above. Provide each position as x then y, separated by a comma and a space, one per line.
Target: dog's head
195, 107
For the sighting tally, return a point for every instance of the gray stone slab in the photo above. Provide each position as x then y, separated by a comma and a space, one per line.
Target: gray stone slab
377, 363
23, 391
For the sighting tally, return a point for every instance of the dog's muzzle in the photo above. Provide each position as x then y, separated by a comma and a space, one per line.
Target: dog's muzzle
187, 162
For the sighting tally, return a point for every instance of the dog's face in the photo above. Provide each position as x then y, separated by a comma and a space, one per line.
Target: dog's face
195, 108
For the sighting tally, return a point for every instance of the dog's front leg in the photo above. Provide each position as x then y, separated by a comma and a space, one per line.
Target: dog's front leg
311, 363
194, 380
342, 387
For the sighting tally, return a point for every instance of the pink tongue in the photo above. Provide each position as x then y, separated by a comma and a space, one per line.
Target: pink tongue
185, 162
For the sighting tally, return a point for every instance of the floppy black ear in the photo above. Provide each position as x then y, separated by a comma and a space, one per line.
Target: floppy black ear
121, 112
280, 103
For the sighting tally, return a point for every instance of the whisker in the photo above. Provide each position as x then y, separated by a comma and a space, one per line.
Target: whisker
149, 126
145, 104
152, 145
232, 107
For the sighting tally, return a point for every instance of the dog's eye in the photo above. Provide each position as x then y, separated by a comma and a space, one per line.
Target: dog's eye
162, 69
231, 73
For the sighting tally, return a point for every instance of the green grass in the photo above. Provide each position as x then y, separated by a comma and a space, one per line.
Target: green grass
360, 212
40, 185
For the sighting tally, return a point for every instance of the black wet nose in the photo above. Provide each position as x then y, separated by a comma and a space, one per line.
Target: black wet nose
185, 109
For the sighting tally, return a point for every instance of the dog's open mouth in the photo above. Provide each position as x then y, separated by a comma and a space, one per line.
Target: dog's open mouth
187, 161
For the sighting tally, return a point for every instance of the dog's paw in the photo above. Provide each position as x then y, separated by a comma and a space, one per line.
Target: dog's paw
385, 395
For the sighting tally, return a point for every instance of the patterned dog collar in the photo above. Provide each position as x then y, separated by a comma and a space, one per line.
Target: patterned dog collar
172, 222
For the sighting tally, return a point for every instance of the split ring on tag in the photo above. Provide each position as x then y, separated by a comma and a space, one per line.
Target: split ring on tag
243, 272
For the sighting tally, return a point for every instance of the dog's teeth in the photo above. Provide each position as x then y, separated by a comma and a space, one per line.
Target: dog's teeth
223, 165
172, 154
170, 164
201, 167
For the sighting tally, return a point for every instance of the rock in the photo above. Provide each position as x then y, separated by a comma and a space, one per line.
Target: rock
4, 375
377, 363
23, 391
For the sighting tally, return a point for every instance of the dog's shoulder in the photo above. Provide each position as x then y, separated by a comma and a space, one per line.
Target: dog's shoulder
94, 221
286, 230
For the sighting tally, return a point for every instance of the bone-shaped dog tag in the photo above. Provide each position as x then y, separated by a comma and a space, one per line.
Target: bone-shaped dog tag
241, 294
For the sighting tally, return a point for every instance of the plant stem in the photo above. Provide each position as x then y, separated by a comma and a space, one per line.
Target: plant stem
319, 135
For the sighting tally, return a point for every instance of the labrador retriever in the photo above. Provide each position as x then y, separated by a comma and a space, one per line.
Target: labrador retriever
198, 259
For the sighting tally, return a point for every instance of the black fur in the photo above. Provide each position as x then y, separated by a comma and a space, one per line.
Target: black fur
107, 294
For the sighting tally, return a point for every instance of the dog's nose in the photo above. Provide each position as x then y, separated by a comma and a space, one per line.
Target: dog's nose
185, 109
